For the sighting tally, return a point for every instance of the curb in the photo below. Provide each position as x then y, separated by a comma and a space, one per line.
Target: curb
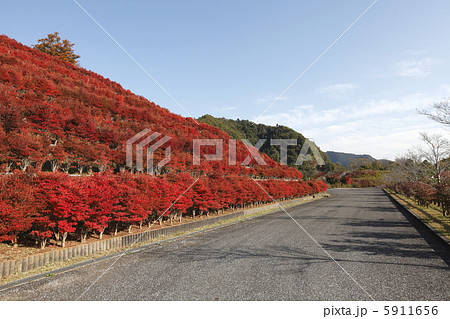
224, 219
441, 238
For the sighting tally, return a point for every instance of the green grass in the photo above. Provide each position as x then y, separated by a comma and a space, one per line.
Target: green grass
431, 215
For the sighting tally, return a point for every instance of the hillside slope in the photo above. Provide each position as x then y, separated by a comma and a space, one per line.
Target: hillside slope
57, 118
54, 112
243, 129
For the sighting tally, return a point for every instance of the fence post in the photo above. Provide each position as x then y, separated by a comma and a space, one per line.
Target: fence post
41, 260
12, 266
6, 269
46, 258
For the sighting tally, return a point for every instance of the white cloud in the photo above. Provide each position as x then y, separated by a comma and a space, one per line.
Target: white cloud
416, 52
382, 128
269, 99
227, 109
414, 67
338, 89
368, 109
304, 107
446, 87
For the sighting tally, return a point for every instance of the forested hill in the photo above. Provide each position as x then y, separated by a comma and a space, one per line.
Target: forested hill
345, 158
244, 129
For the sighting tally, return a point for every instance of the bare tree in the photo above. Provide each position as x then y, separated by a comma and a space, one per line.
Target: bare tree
436, 155
439, 112
424, 173
408, 168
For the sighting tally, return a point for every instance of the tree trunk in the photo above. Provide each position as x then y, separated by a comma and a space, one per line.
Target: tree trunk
83, 234
39, 165
63, 239
65, 167
54, 164
42, 242
129, 228
8, 167
24, 164
100, 233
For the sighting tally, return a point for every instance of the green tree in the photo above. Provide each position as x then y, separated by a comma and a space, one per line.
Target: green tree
54, 45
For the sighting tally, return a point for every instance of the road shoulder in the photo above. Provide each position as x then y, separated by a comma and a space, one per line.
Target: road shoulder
411, 211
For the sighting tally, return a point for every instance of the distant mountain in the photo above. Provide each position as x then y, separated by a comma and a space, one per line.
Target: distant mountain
243, 129
345, 158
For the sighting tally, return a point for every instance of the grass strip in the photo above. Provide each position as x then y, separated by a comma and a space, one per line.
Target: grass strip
432, 215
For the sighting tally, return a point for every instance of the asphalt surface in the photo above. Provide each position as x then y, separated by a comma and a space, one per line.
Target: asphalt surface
379, 252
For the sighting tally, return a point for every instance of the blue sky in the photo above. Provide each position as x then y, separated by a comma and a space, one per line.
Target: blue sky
233, 58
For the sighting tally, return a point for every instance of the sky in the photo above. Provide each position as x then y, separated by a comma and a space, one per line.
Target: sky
358, 88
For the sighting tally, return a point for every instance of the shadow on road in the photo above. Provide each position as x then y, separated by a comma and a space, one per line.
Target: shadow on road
283, 258
391, 238
295, 260
441, 249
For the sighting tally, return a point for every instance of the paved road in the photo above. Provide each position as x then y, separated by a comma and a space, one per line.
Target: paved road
272, 258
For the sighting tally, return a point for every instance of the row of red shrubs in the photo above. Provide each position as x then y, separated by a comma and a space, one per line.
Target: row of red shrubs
37, 207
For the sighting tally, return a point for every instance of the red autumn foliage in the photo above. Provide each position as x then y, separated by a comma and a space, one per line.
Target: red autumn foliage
55, 113
57, 118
